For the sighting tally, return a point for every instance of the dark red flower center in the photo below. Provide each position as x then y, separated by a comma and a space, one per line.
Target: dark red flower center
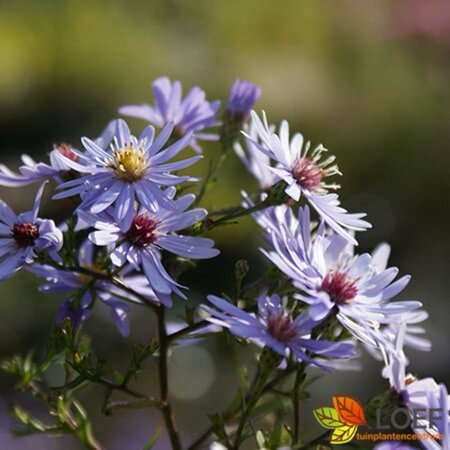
142, 230
281, 326
339, 287
307, 173
66, 150
25, 233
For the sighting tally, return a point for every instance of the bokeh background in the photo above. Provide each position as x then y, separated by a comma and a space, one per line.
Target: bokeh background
367, 79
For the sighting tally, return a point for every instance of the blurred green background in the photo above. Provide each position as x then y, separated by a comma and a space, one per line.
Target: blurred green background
367, 79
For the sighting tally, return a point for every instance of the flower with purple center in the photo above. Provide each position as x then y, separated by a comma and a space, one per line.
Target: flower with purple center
243, 96
24, 236
57, 170
275, 327
332, 279
139, 244
191, 114
133, 169
305, 174
80, 290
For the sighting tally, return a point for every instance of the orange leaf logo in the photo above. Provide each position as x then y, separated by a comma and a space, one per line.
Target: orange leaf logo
349, 410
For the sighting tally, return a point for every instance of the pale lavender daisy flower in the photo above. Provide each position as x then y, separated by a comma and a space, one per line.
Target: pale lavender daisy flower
275, 327
255, 161
24, 236
418, 394
80, 290
413, 333
133, 169
57, 169
191, 114
243, 96
305, 174
332, 279
140, 243
68, 310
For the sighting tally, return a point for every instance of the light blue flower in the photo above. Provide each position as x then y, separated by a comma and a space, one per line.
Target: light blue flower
57, 169
191, 114
275, 327
140, 243
305, 174
332, 279
132, 169
80, 290
243, 96
24, 236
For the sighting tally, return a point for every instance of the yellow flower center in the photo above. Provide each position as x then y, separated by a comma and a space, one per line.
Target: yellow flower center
129, 163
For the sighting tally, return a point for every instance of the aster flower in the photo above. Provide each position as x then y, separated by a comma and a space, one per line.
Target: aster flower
332, 279
417, 393
193, 113
140, 243
80, 290
133, 169
67, 310
413, 333
24, 236
243, 96
275, 327
305, 174
255, 161
58, 169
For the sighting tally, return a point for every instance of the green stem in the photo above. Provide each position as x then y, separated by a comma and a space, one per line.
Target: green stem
184, 331
101, 381
83, 430
166, 407
107, 277
299, 378
253, 397
137, 404
234, 213
214, 166
231, 413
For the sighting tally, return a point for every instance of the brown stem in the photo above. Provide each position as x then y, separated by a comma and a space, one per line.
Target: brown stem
166, 407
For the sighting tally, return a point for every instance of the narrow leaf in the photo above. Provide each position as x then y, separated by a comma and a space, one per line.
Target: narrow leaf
154, 439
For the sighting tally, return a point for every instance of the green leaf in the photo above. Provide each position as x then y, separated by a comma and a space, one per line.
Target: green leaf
260, 439
328, 417
154, 439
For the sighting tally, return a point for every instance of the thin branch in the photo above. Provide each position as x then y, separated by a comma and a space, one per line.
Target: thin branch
166, 408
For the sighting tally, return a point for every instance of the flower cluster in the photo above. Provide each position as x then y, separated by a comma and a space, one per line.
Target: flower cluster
124, 189
135, 226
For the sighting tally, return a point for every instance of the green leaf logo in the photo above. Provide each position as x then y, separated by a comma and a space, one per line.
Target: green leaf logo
328, 417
